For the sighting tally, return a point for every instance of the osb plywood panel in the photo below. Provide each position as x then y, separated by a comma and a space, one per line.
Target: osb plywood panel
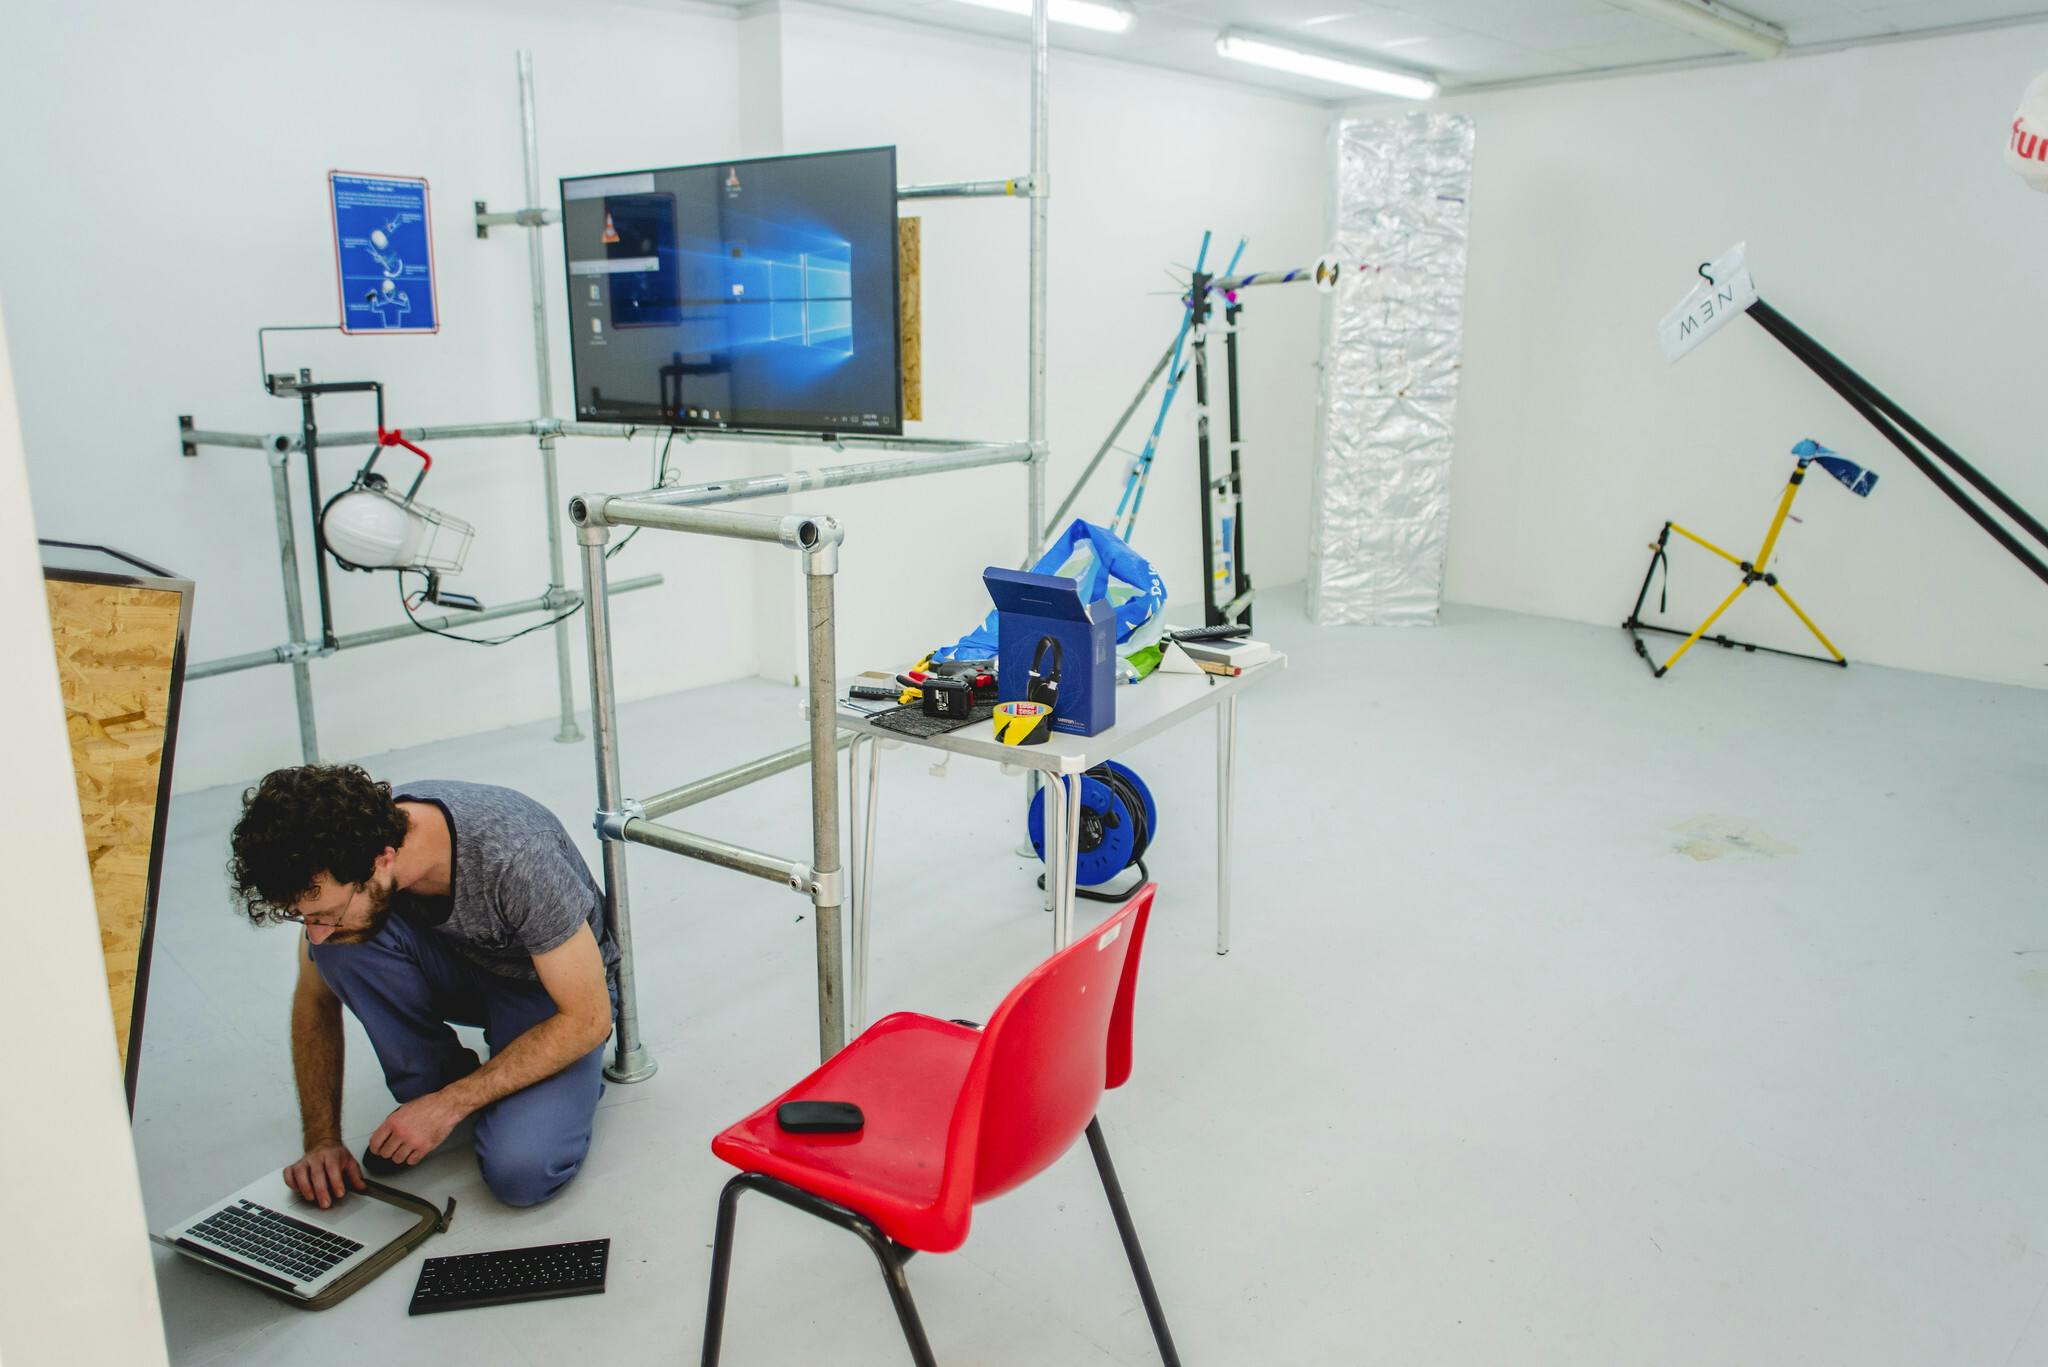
114, 652
910, 270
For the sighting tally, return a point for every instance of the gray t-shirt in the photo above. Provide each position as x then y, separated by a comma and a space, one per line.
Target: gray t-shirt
519, 884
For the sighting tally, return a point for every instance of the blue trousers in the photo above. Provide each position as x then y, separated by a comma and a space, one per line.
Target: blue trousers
406, 985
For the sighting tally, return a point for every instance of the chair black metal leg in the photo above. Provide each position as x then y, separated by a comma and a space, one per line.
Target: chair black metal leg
721, 1268
1129, 1232
892, 1259
891, 1255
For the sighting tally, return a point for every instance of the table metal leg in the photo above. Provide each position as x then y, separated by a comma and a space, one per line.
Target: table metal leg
856, 892
1070, 863
1055, 830
867, 873
1055, 853
1226, 798
861, 872
1033, 780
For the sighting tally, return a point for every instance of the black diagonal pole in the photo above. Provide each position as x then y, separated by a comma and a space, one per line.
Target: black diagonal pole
1902, 430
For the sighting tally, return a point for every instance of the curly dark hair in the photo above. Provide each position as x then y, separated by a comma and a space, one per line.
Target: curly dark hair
299, 823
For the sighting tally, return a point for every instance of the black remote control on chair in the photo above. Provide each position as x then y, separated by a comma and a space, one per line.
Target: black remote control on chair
819, 1117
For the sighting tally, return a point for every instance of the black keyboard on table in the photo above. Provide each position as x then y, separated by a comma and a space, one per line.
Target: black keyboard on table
263, 1236
506, 1275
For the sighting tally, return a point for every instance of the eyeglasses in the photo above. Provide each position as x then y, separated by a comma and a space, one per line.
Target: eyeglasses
324, 918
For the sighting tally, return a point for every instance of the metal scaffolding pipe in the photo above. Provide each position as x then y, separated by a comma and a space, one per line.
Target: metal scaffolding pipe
848, 441
618, 823
791, 873
796, 532
234, 664
565, 687
1109, 442
1015, 187
730, 780
630, 1059
1041, 153
294, 607
297, 653
544, 389
833, 476
277, 443
518, 218
283, 441
822, 671
461, 431
560, 427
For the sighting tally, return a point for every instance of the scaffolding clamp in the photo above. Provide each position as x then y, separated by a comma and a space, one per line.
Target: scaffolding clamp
514, 218
825, 889
612, 825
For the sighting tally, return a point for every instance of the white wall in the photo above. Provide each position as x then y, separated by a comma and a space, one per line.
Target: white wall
181, 149
1879, 217
76, 1283
1142, 161
178, 153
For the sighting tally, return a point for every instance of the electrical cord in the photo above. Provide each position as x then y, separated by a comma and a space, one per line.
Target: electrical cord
412, 601
1124, 792
660, 479
1143, 878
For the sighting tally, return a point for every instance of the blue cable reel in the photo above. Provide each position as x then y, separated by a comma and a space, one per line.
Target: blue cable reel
1118, 822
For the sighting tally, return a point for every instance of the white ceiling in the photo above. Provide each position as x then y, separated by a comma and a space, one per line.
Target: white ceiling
1462, 42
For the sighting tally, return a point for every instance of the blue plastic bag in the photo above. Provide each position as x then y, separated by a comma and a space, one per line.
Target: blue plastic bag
1096, 557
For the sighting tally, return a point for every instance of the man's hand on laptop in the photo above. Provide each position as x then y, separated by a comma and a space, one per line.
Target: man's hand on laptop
325, 1174
417, 1128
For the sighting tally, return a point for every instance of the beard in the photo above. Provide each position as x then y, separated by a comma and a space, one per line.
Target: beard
378, 898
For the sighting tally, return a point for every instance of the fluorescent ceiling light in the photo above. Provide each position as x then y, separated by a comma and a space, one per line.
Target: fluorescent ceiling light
1103, 18
1716, 23
1323, 66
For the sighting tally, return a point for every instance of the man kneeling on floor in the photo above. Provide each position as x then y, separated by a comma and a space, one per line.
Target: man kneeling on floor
449, 902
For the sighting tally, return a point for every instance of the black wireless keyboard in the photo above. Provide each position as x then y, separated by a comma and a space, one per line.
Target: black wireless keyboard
511, 1274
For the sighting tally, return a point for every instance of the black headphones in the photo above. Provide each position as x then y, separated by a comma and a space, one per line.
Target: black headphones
1044, 687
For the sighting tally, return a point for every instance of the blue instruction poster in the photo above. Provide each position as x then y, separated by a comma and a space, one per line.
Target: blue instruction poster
383, 252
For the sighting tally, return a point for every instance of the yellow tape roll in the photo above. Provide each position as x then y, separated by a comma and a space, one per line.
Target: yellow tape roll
1023, 723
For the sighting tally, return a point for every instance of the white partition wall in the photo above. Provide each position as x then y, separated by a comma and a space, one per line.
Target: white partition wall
75, 1278
1381, 514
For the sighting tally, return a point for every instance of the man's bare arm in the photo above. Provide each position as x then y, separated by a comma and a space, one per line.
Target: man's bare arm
327, 1169
574, 977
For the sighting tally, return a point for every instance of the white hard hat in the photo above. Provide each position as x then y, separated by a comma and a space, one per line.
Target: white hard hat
373, 530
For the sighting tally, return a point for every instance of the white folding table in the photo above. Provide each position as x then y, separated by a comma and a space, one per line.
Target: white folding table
1143, 711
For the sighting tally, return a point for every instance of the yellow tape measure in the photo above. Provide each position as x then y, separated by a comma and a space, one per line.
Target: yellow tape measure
1023, 723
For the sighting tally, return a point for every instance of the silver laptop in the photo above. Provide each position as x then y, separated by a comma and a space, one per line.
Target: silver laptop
268, 1234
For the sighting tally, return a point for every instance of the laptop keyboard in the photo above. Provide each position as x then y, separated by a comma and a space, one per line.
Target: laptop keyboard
261, 1235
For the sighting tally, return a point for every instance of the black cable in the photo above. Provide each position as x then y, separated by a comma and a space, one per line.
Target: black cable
408, 604
1125, 896
660, 475
1121, 790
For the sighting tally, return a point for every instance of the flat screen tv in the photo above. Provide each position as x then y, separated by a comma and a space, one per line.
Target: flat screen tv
758, 295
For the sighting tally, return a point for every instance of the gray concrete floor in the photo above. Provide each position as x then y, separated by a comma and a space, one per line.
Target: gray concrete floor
1572, 1018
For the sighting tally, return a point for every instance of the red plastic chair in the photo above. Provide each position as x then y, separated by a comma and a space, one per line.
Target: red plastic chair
954, 1116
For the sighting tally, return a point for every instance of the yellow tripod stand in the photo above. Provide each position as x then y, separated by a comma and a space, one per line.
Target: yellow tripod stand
1854, 477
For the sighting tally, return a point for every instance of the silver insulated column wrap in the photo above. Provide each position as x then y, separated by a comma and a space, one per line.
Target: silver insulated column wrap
1392, 351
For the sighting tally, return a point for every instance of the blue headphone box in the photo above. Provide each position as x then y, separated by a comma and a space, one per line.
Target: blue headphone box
1034, 609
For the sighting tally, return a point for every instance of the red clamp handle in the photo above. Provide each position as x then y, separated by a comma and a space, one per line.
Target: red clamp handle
394, 436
